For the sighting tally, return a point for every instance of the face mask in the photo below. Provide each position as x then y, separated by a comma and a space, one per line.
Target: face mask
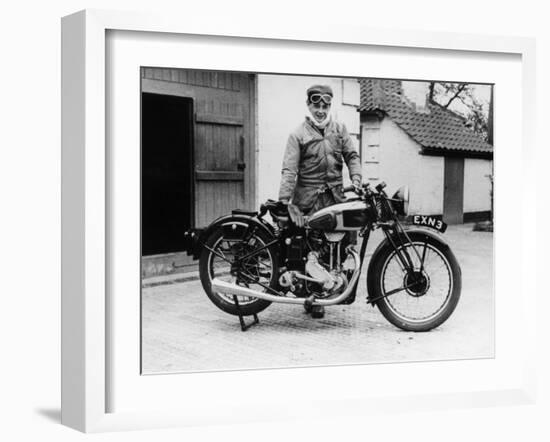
321, 124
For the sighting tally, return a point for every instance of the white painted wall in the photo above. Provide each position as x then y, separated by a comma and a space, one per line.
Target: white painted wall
390, 155
281, 107
477, 185
400, 163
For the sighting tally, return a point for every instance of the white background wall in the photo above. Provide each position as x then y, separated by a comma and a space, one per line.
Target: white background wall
477, 185
282, 108
399, 163
30, 221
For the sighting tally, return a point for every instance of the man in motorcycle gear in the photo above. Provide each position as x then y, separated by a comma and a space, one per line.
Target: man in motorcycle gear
312, 164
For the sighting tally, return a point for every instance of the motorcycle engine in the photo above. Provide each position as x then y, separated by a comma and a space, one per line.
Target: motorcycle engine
309, 257
317, 243
300, 285
327, 247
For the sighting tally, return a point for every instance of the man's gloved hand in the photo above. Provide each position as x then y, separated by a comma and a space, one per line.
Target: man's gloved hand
296, 215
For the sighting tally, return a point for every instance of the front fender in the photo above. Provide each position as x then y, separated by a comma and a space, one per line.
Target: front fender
235, 225
415, 235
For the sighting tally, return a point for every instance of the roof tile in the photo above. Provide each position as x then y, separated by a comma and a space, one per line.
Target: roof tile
439, 128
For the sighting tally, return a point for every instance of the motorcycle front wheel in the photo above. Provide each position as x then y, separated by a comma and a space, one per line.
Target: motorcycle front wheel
216, 261
424, 298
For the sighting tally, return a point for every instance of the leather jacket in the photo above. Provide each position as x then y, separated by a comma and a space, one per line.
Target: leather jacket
313, 161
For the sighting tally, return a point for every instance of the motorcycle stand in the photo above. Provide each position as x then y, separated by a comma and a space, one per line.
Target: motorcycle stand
245, 327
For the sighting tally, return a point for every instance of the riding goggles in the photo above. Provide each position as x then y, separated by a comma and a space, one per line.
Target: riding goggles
317, 98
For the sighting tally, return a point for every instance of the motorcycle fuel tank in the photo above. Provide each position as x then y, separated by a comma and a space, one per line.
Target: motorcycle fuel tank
350, 215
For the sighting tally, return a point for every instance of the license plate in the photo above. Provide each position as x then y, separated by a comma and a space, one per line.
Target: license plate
429, 221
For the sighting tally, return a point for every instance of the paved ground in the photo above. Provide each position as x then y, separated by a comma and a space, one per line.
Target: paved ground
184, 331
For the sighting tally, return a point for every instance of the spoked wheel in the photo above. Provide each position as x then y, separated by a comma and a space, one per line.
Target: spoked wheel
217, 260
421, 299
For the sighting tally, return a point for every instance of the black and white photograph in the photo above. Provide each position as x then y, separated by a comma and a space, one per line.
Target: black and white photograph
298, 221
278, 221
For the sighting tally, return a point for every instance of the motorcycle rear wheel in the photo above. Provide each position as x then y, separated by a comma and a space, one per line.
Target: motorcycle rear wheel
263, 266
433, 290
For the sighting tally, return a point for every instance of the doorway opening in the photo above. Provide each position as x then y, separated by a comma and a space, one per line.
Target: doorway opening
167, 182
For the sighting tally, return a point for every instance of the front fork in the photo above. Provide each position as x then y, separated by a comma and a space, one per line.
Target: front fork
398, 238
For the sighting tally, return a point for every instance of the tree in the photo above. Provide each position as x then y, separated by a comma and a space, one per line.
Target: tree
462, 98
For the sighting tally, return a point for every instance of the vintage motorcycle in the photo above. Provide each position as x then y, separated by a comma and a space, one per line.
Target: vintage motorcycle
246, 262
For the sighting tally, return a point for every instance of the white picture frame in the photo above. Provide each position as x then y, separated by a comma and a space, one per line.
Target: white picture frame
86, 314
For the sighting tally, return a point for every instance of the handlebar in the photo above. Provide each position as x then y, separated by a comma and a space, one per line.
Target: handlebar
348, 189
352, 188
366, 190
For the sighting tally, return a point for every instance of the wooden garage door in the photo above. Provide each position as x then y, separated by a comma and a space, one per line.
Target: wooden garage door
453, 194
223, 135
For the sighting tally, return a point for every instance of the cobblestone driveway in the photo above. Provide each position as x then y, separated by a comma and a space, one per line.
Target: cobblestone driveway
184, 331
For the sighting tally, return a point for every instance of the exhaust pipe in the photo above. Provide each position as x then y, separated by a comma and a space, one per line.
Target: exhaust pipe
234, 289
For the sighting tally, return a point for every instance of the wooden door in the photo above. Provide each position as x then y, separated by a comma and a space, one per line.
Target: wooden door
222, 150
453, 194
223, 125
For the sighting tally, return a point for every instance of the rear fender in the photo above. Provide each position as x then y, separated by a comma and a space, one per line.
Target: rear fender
235, 226
415, 235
